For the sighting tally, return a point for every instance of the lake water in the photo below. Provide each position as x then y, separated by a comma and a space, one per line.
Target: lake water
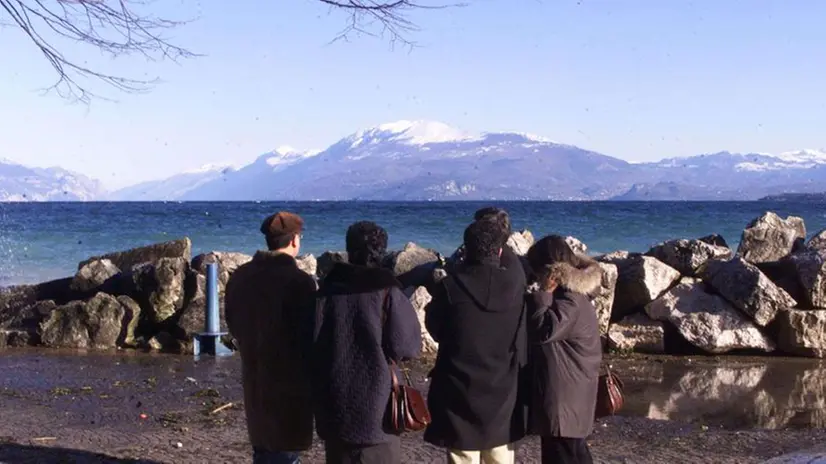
40, 241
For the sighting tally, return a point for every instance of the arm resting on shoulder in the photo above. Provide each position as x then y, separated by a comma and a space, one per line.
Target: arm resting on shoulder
435, 312
403, 333
419, 276
549, 319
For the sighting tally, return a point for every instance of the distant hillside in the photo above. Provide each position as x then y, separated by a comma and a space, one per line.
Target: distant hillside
171, 188
797, 197
21, 183
431, 161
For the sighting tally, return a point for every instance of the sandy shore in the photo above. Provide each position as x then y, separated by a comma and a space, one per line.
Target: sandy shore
58, 407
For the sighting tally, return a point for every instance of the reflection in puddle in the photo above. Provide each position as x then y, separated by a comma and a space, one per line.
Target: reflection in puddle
728, 392
769, 393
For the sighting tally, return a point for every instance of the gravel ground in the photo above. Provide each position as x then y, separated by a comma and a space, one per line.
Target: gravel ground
130, 407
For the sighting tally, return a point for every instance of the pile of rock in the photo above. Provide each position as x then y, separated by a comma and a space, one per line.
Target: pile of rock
766, 297
681, 295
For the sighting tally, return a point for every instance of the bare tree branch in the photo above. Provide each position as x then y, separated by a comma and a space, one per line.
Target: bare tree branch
114, 27
124, 27
389, 17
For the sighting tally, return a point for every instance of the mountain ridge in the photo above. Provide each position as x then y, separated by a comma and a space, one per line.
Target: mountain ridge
432, 161
24, 183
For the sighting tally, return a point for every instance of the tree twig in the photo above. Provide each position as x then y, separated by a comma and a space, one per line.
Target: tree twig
125, 27
226, 406
114, 27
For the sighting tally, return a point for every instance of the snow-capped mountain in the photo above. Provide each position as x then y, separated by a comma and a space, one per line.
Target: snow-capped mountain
174, 187
21, 183
736, 176
426, 160
429, 160
247, 182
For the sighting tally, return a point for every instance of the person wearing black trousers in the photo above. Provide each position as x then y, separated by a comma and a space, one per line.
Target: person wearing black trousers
565, 352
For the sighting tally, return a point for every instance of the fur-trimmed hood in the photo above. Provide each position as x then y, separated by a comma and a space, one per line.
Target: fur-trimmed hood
348, 279
586, 278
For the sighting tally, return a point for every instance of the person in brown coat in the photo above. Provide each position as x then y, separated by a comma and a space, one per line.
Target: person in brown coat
565, 351
270, 305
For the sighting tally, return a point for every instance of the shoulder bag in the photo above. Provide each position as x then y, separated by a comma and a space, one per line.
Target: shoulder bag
609, 394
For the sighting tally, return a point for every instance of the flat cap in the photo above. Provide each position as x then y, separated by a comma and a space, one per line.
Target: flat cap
282, 223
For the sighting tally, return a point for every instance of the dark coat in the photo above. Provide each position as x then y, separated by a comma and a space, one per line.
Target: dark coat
477, 316
424, 275
353, 340
565, 353
269, 306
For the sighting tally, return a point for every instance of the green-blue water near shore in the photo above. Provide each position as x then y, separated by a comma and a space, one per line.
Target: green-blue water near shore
41, 241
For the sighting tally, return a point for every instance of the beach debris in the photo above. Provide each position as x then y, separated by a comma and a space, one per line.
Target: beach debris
221, 408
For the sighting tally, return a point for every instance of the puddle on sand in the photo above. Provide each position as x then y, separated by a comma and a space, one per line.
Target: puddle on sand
39, 368
732, 393
728, 392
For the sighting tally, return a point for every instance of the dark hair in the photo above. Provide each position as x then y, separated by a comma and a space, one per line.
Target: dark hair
549, 250
497, 214
483, 239
279, 242
366, 244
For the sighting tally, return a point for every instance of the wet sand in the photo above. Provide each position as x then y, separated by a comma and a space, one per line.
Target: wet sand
134, 407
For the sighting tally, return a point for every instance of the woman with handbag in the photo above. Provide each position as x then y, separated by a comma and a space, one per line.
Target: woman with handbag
363, 322
565, 351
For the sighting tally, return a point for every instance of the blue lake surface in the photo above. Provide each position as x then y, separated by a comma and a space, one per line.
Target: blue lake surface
41, 241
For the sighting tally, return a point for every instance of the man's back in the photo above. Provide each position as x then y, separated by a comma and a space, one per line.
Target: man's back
269, 309
477, 317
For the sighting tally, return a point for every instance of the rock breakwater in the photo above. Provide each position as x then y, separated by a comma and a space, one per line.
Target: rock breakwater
682, 296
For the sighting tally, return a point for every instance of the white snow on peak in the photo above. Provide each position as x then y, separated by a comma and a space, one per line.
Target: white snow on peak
800, 159
286, 154
211, 167
534, 138
286, 150
412, 133
423, 132
807, 155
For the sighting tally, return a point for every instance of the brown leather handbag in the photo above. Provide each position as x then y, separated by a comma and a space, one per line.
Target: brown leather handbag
609, 394
407, 411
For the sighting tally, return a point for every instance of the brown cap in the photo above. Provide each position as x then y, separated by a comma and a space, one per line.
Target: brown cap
282, 223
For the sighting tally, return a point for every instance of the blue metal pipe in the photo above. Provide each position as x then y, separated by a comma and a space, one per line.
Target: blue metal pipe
209, 342
212, 319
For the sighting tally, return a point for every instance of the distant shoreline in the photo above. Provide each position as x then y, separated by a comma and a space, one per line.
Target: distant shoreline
782, 198
796, 197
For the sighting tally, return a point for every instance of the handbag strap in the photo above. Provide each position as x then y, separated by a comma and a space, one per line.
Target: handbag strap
391, 364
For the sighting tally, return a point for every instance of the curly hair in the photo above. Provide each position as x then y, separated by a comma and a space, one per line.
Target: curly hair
497, 214
484, 239
366, 244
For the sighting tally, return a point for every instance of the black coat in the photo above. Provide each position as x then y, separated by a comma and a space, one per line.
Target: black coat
424, 275
477, 316
269, 308
353, 340
565, 353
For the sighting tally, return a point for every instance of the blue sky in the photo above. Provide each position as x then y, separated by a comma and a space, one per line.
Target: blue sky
636, 79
